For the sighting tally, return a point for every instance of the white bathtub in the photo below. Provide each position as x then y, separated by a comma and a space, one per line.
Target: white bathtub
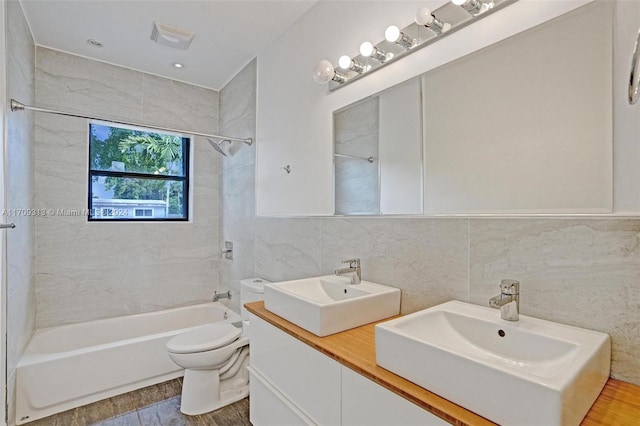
73, 365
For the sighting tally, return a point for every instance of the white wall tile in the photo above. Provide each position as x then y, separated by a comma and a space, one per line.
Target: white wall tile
76, 84
579, 272
426, 258
238, 114
20, 187
170, 103
70, 293
241, 232
287, 249
21, 320
89, 270
237, 184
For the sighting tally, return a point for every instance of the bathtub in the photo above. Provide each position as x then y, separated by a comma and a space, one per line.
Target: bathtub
72, 365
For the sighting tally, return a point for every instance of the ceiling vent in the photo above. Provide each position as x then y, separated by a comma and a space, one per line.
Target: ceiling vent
168, 35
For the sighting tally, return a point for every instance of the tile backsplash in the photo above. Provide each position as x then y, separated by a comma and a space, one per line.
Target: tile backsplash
579, 272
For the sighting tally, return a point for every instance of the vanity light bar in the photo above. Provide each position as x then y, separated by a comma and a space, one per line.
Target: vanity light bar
428, 27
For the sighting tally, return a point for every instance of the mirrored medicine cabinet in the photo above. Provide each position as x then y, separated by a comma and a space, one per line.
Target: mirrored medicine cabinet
522, 126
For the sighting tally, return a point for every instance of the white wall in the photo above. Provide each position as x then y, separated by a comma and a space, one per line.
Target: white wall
90, 270
19, 161
294, 113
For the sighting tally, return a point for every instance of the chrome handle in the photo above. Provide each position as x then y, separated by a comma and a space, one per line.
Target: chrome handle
510, 287
353, 263
7, 225
227, 251
634, 80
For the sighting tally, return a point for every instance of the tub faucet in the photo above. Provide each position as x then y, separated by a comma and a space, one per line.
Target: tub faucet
217, 296
508, 301
353, 269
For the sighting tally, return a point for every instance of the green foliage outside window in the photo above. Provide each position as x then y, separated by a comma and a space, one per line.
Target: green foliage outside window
138, 152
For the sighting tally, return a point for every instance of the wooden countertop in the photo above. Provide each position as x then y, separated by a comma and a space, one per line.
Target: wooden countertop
618, 404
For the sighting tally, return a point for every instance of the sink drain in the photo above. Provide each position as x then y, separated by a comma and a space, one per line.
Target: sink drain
501, 333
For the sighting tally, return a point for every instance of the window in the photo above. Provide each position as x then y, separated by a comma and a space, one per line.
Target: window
143, 212
137, 174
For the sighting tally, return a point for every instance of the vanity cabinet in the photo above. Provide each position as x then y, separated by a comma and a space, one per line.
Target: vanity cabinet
294, 384
365, 402
303, 379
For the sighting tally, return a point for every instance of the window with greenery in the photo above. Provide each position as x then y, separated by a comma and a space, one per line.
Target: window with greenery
137, 174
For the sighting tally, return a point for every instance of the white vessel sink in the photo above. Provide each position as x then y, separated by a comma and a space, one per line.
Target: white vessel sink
526, 372
330, 304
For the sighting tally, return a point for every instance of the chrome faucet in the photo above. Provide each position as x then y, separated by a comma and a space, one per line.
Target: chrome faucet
217, 296
508, 301
353, 269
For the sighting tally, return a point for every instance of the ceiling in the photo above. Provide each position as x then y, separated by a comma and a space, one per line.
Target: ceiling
228, 34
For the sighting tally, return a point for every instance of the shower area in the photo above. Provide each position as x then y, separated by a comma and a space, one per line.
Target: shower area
62, 268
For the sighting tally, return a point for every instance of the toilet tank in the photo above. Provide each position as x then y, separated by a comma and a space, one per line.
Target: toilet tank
251, 290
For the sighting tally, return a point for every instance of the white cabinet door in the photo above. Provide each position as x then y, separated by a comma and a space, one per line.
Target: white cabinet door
294, 384
268, 407
365, 403
304, 376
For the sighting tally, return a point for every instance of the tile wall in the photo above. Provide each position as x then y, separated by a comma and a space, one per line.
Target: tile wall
21, 279
89, 271
237, 182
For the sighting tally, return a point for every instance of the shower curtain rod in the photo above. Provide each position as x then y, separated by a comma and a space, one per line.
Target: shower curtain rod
17, 106
369, 159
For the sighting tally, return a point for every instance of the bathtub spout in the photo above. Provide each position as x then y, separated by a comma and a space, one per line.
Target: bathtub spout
217, 296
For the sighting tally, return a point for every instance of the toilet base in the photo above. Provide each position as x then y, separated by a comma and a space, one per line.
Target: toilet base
202, 391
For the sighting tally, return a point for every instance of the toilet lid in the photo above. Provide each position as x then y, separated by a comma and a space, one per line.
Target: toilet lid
204, 338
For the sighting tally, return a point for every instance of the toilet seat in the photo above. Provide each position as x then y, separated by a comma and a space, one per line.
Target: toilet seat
204, 338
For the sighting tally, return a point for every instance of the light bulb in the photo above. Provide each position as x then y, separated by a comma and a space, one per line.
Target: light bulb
344, 62
348, 64
424, 16
392, 33
474, 7
366, 49
370, 51
323, 72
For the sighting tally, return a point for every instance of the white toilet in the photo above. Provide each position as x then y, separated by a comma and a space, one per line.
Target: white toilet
215, 357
